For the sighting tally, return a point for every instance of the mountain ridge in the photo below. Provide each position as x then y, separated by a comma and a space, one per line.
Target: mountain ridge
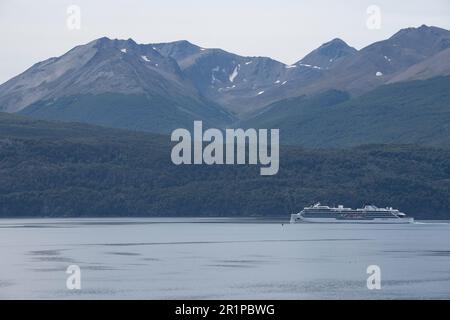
162, 86
414, 112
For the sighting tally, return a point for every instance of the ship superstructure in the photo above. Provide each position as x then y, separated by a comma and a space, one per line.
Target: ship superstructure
369, 214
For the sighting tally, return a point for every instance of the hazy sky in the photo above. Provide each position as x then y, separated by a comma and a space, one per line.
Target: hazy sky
285, 30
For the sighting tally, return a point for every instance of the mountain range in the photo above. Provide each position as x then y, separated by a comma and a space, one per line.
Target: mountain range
393, 94
395, 90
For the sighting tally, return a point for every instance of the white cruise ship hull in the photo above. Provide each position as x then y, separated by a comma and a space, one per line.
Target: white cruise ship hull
297, 218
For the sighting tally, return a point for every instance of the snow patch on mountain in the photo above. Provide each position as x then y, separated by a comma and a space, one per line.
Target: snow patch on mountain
309, 66
145, 58
235, 73
227, 88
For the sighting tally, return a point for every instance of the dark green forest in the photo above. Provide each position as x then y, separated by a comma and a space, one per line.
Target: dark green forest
62, 169
413, 112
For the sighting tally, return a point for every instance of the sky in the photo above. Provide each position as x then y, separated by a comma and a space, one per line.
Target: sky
285, 30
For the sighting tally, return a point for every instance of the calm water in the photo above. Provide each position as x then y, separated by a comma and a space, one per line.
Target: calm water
221, 259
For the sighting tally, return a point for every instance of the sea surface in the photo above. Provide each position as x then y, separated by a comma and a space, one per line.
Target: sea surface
194, 258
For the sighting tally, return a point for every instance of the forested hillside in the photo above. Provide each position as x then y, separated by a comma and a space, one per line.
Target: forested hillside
56, 169
414, 112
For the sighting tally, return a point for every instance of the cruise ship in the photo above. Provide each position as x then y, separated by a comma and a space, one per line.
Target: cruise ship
369, 214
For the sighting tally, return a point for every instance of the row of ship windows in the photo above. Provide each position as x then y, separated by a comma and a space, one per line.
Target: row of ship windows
315, 215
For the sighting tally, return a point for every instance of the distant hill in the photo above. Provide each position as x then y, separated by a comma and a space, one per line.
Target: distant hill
51, 169
116, 83
240, 84
329, 54
415, 112
245, 85
436, 65
383, 61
